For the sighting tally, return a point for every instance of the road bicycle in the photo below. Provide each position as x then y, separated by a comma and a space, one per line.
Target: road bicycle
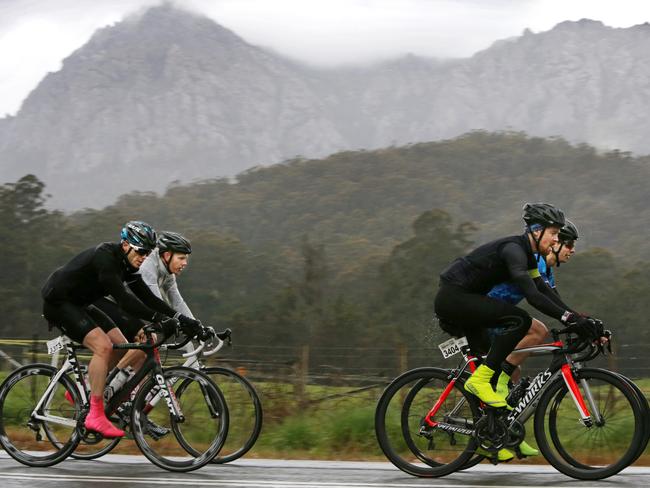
589, 423
244, 406
39, 426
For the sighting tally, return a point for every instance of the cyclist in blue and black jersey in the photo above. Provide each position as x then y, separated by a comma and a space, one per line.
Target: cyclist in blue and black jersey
462, 302
510, 292
463, 306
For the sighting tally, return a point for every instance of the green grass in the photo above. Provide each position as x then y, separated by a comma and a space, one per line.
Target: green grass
314, 426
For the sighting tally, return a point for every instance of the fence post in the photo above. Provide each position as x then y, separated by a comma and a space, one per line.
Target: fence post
302, 372
403, 358
34, 348
403, 366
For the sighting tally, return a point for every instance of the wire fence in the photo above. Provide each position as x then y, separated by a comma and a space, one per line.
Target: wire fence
334, 366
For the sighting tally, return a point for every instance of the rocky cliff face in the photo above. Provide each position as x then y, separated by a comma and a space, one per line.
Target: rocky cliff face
170, 95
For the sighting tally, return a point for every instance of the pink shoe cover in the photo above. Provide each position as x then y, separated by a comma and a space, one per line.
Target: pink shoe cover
99, 423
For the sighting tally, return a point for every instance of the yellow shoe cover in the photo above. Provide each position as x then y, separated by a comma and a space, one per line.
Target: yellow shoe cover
503, 455
479, 384
527, 450
502, 385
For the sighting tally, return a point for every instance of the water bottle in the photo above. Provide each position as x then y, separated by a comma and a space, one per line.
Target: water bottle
116, 383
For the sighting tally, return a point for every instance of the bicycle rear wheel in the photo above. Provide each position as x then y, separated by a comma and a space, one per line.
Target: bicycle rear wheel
24, 431
602, 449
204, 425
414, 447
412, 443
91, 444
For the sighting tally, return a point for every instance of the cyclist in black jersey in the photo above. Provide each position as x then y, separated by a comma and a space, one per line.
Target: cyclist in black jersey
462, 302
102, 270
509, 292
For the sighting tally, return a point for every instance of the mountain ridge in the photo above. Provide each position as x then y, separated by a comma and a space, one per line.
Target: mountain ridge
169, 95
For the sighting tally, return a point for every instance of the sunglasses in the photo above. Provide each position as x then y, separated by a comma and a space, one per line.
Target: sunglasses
140, 251
569, 244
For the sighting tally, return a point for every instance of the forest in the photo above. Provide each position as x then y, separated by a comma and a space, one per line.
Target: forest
346, 250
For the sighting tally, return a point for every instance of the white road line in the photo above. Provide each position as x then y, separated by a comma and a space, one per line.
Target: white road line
245, 483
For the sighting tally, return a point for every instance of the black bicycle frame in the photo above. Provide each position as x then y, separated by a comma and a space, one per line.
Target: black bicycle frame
152, 363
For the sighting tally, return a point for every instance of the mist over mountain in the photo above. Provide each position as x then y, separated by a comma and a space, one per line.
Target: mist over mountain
169, 95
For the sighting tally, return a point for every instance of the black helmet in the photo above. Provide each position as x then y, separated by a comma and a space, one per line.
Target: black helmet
543, 214
569, 232
174, 242
139, 234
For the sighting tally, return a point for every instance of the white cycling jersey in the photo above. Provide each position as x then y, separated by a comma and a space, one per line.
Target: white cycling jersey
163, 283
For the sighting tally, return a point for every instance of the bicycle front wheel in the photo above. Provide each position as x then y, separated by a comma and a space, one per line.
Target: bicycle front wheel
599, 448
203, 425
412, 445
33, 409
244, 410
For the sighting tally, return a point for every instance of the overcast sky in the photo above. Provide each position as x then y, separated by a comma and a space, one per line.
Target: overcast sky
35, 35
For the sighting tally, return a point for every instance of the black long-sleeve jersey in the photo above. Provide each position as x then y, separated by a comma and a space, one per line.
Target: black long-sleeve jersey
101, 271
506, 259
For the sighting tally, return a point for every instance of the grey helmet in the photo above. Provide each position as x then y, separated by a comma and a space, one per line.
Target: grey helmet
569, 232
139, 234
543, 214
174, 242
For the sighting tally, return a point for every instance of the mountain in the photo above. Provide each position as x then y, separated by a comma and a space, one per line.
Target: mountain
169, 95
164, 96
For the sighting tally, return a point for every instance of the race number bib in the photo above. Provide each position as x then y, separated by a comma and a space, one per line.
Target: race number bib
452, 346
54, 345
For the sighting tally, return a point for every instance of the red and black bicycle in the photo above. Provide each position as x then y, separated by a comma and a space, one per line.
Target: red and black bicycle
590, 423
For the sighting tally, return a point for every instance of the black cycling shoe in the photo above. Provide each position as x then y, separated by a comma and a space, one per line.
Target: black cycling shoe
154, 430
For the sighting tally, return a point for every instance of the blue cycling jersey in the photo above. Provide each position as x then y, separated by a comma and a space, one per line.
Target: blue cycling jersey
511, 293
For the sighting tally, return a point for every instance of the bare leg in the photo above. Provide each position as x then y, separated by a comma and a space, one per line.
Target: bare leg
100, 344
102, 347
116, 337
536, 335
134, 357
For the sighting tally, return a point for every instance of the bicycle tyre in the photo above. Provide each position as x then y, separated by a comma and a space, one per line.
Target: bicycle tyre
643, 403
210, 429
590, 446
476, 459
645, 407
19, 394
250, 395
447, 461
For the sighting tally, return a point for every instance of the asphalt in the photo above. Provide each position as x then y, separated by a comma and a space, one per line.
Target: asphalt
116, 471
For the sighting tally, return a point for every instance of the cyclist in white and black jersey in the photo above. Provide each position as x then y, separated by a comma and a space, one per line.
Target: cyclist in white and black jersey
158, 272
160, 269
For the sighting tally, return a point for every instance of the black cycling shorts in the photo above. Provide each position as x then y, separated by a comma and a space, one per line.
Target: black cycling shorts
474, 313
128, 324
76, 321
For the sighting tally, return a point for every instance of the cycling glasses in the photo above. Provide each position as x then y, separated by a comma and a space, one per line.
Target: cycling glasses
140, 251
569, 244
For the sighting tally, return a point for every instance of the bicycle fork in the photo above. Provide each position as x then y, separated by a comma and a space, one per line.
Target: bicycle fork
572, 385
